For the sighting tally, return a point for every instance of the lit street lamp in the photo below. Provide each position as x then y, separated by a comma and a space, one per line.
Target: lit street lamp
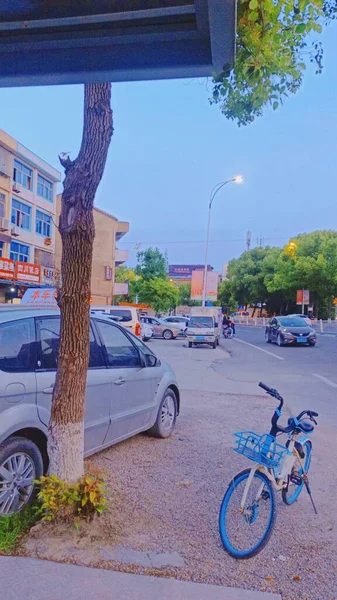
217, 187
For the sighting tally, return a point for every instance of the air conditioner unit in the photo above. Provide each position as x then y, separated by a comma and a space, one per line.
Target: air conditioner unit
4, 225
14, 231
16, 187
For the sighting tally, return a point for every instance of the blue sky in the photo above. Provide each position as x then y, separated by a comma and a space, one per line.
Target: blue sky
170, 147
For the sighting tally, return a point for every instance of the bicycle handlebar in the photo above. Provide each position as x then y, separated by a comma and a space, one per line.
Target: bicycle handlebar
265, 387
273, 392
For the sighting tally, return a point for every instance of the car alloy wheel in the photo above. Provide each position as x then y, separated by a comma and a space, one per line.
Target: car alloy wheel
168, 413
167, 334
279, 340
17, 476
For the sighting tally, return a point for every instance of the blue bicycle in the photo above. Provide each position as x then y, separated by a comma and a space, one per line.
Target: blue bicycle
248, 510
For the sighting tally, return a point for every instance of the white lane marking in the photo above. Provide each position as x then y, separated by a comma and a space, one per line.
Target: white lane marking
261, 349
326, 380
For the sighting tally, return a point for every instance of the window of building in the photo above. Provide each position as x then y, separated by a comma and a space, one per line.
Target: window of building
1, 248
19, 252
2, 204
43, 224
23, 175
43, 258
21, 214
44, 188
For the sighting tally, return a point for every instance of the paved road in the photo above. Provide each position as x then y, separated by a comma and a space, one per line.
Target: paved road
305, 376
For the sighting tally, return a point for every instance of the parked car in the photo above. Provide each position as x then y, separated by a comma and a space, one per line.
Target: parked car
164, 330
290, 330
129, 390
176, 321
128, 314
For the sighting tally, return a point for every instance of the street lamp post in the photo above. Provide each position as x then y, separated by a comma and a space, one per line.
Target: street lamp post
215, 190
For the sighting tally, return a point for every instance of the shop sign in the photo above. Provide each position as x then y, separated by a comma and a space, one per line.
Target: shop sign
6, 268
27, 272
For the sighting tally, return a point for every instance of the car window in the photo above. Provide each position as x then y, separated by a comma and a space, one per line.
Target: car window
49, 329
125, 315
120, 350
17, 345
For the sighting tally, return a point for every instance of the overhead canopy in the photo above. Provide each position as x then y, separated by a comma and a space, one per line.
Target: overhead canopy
76, 41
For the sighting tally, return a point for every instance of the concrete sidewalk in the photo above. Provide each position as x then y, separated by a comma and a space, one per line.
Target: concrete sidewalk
34, 579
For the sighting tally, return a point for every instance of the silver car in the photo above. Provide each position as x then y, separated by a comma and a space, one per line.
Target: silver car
129, 390
176, 321
164, 330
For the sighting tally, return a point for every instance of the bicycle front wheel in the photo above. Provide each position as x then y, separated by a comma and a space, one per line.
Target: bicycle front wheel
245, 532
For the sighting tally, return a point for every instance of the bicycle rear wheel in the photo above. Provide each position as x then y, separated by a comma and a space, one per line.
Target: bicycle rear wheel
290, 495
245, 532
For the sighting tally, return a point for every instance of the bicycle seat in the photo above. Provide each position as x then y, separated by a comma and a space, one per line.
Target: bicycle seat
304, 426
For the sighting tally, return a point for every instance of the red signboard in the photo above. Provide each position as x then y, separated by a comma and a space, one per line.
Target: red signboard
108, 273
303, 297
6, 268
27, 272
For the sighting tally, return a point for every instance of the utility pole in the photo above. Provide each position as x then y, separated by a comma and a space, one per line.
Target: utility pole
248, 240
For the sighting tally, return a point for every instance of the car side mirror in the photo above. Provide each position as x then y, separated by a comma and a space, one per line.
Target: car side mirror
151, 360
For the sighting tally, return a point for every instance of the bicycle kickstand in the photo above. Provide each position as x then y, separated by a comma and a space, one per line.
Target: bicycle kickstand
306, 482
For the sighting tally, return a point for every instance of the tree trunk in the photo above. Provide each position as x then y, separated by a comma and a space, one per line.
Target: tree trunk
83, 175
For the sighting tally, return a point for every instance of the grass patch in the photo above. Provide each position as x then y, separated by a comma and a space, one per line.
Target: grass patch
14, 526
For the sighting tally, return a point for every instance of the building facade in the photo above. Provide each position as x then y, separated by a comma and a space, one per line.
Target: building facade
27, 219
106, 255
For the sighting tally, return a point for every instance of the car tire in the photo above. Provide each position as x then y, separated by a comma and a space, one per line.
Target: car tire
166, 417
279, 340
267, 337
167, 334
146, 339
214, 345
26, 455
312, 344
190, 344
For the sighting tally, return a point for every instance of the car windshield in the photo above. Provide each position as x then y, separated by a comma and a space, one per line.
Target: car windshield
292, 322
201, 322
125, 315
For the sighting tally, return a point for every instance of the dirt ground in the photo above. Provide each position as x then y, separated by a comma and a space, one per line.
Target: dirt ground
164, 499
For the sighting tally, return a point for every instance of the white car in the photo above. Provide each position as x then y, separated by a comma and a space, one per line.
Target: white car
146, 331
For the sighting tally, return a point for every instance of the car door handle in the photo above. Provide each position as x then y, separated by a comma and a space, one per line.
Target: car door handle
119, 381
48, 390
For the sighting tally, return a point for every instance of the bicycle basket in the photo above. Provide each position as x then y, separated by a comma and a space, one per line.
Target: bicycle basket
263, 449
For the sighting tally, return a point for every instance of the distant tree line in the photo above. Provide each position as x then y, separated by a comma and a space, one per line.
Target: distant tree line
270, 277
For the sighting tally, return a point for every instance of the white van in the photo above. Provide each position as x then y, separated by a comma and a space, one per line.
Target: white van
128, 316
204, 326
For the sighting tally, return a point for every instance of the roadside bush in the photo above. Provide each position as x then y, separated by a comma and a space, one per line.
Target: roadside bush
61, 501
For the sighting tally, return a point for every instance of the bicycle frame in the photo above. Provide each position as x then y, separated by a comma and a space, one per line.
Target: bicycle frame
277, 475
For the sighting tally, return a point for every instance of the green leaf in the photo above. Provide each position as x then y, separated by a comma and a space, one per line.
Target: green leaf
300, 28
275, 105
253, 4
317, 27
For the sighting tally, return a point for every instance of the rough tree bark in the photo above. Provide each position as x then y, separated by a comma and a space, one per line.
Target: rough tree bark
83, 175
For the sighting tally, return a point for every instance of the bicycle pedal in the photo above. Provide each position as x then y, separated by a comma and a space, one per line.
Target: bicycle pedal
296, 479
